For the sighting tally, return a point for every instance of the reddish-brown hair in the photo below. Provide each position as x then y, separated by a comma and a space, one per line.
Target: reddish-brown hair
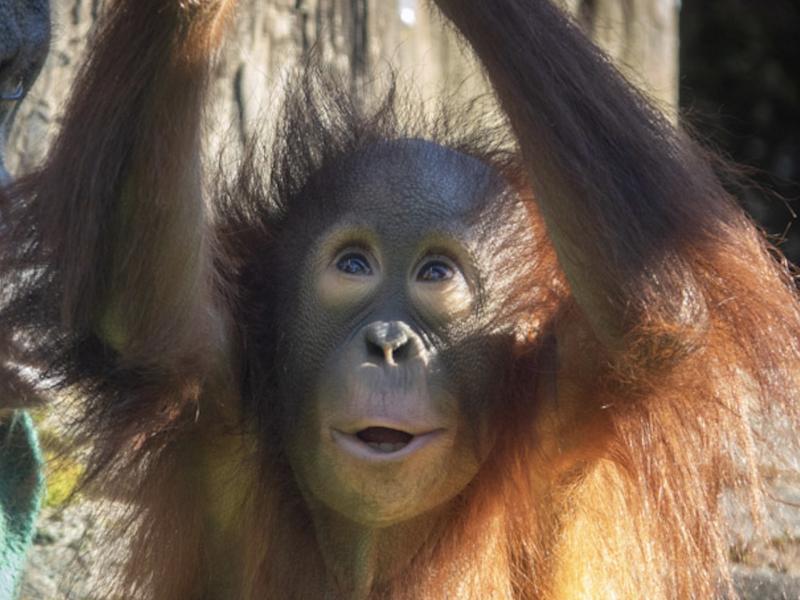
119, 281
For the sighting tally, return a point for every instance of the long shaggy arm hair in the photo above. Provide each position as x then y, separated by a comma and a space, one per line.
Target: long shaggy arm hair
671, 324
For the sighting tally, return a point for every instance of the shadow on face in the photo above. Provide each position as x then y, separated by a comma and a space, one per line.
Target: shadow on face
398, 329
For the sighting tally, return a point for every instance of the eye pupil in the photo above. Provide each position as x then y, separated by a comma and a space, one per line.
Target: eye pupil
435, 271
354, 264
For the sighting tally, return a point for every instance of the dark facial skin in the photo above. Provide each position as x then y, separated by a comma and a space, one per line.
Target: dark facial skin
24, 40
395, 345
641, 411
396, 334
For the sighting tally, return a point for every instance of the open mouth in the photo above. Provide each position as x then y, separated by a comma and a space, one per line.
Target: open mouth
384, 439
379, 443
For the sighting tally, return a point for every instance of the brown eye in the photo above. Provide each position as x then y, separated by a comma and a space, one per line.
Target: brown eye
434, 271
354, 263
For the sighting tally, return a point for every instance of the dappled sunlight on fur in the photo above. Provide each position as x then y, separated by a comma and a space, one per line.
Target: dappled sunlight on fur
656, 338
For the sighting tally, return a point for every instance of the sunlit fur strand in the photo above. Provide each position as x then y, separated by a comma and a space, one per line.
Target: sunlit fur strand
615, 496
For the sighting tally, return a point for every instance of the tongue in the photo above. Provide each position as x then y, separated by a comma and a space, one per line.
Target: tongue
383, 435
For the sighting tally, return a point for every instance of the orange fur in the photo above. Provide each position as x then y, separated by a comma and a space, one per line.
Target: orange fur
636, 397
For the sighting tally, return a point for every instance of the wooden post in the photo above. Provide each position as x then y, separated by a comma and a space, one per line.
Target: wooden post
357, 38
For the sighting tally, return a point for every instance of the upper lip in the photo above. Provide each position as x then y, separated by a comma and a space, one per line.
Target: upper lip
415, 429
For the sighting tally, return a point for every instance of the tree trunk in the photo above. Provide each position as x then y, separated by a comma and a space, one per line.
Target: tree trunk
354, 37
642, 37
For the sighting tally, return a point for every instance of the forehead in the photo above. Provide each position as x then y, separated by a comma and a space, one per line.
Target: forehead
407, 186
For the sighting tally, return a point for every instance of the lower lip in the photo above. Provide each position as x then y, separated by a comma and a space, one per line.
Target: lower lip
351, 444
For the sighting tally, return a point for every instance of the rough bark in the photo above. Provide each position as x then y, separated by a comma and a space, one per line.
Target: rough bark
642, 37
356, 37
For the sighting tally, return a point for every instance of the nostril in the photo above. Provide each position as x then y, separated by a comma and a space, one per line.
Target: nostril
389, 353
390, 342
402, 352
375, 351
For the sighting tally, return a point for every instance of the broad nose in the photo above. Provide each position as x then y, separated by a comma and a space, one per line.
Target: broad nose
392, 342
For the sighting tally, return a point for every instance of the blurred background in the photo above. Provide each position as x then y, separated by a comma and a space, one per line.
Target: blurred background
740, 88
727, 69
732, 68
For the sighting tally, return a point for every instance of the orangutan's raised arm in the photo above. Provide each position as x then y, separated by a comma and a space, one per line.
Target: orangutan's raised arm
114, 225
628, 203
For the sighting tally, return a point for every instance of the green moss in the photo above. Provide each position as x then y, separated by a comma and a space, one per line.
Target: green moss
62, 472
38, 415
62, 478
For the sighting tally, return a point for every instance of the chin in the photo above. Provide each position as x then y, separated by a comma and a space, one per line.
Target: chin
381, 487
